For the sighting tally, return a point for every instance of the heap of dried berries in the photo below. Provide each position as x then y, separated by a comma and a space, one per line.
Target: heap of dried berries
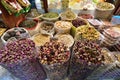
88, 51
53, 52
17, 51
87, 57
18, 58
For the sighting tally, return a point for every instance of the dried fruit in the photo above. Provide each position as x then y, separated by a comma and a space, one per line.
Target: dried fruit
88, 51
79, 22
53, 52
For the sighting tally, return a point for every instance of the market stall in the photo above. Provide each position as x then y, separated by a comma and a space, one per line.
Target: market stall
60, 42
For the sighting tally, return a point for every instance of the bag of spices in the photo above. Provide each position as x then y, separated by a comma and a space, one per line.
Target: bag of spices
25, 4
12, 7
86, 57
54, 56
18, 58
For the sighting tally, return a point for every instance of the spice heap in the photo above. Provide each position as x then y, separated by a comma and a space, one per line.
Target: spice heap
88, 51
62, 26
28, 23
66, 39
53, 52
18, 57
105, 6
78, 22
55, 58
68, 15
33, 14
51, 15
47, 28
87, 32
17, 51
41, 39
87, 57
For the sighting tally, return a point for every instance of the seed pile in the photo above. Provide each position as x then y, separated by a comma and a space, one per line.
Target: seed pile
53, 52
88, 51
17, 51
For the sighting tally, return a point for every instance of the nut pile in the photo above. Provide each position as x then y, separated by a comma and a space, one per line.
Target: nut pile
78, 22
17, 51
88, 51
53, 52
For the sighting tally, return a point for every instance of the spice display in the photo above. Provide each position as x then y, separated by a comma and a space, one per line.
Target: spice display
105, 6
62, 26
79, 22
28, 23
87, 56
16, 33
51, 15
54, 56
85, 16
87, 32
19, 58
41, 39
71, 45
47, 28
33, 14
68, 15
65, 39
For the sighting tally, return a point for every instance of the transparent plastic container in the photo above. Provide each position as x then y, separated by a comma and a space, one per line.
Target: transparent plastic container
27, 70
80, 70
109, 61
57, 71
